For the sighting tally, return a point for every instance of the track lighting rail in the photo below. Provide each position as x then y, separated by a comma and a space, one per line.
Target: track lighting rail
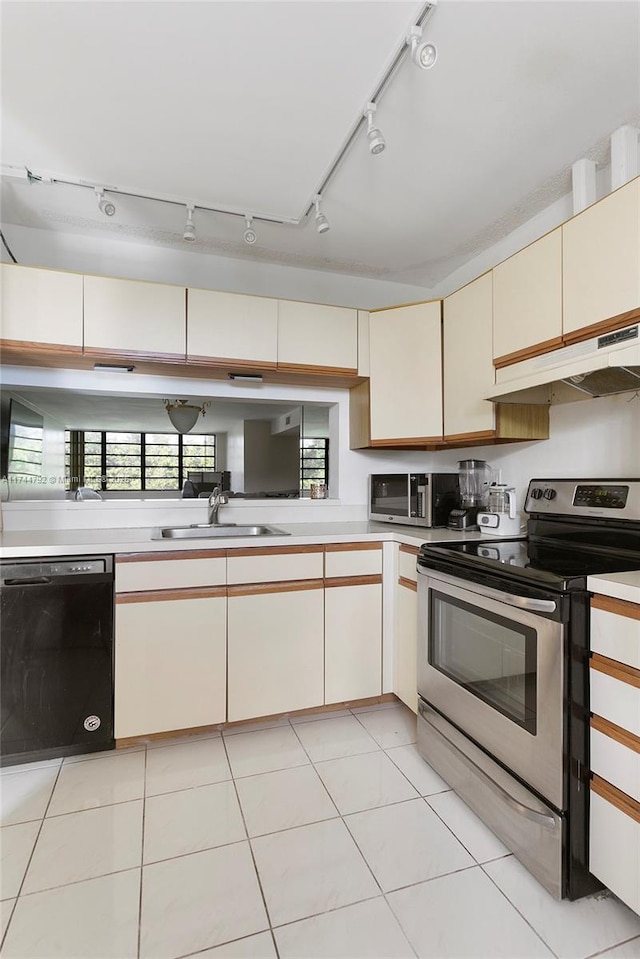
410, 45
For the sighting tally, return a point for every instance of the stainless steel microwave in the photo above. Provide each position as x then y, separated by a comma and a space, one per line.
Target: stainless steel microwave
414, 499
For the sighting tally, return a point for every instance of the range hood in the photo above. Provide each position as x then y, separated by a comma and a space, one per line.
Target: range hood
602, 366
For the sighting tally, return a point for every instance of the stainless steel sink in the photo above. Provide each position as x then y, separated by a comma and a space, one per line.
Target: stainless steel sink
217, 532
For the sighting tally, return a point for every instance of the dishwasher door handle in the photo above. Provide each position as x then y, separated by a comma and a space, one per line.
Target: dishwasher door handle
31, 581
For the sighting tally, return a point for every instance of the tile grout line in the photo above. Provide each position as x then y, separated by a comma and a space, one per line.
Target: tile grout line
144, 809
24, 876
523, 917
624, 942
251, 852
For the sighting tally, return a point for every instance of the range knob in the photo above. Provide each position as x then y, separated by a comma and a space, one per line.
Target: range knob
536, 492
549, 494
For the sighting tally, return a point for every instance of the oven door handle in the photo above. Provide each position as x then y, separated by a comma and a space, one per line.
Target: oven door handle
520, 602
521, 808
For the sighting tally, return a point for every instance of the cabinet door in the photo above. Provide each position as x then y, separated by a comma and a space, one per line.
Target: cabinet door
232, 327
614, 843
468, 362
406, 644
275, 649
41, 306
527, 300
170, 663
406, 374
353, 640
129, 316
601, 260
317, 337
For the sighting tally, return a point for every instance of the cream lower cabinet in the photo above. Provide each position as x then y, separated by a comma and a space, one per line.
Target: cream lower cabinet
614, 818
275, 648
406, 628
353, 621
170, 660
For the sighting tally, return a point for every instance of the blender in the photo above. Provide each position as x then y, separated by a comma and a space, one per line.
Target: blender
474, 477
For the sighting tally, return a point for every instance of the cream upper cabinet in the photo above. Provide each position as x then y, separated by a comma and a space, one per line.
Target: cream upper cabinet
468, 363
231, 326
312, 335
41, 306
405, 373
132, 316
601, 260
527, 299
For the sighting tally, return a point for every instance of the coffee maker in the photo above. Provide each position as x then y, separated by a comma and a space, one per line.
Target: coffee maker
474, 477
500, 517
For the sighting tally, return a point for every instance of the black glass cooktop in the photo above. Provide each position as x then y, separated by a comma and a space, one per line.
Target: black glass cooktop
562, 566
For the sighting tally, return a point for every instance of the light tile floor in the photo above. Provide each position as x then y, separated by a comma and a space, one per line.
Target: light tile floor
323, 836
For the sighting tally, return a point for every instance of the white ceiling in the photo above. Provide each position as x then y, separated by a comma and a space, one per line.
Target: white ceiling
245, 105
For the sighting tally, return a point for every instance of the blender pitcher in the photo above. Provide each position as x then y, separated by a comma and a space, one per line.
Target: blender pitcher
474, 477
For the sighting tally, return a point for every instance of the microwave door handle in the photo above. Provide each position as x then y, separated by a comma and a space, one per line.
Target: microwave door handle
528, 603
521, 808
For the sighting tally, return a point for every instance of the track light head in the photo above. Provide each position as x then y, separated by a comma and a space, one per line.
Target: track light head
377, 143
423, 54
105, 206
322, 224
189, 227
250, 235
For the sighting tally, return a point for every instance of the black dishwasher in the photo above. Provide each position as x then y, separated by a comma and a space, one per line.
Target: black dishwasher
56, 657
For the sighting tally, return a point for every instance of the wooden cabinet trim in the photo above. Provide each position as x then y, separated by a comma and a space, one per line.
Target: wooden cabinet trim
373, 580
349, 547
620, 671
619, 607
462, 437
161, 556
100, 352
630, 807
409, 583
408, 441
320, 370
230, 362
273, 550
29, 346
412, 550
538, 349
165, 595
604, 326
290, 586
607, 728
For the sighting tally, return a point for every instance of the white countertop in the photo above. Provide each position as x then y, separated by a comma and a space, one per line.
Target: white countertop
52, 542
619, 585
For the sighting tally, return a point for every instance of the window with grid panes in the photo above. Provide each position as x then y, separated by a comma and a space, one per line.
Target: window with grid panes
137, 461
314, 461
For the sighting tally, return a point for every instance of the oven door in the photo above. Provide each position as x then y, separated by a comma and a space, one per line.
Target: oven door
493, 664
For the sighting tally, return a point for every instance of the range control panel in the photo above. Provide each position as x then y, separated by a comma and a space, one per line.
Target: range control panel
585, 497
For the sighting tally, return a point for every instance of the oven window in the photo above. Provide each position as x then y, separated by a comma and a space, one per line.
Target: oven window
390, 495
490, 655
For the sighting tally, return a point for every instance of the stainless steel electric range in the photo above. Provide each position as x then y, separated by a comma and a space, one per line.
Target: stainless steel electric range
503, 677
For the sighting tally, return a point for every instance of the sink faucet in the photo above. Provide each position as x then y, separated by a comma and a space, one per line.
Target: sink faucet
216, 500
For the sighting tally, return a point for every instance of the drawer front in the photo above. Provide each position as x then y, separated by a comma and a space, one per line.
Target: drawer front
617, 701
616, 763
615, 636
614, 850
169, 574
273, 567
357, 560
407, 563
